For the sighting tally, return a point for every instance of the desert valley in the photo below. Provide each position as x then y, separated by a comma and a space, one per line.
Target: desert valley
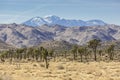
59, 40
57, 52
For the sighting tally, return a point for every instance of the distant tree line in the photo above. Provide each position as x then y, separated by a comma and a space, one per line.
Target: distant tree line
91, 52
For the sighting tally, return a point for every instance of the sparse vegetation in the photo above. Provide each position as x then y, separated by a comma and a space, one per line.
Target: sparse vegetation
93, 44
43, 58
110, 52
40, 54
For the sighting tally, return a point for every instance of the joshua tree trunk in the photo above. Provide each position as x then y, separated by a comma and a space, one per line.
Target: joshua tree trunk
74, 57
111, 56
47, 64
95, 56
81, 58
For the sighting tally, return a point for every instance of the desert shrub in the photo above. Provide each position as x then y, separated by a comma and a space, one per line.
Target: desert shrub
34, 65
60, 67
41, 65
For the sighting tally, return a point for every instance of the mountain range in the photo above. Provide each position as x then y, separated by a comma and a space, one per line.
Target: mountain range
52, 20
20, 35
4, 46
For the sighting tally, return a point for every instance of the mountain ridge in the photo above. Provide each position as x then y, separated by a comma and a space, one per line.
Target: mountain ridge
25, 36
52, 20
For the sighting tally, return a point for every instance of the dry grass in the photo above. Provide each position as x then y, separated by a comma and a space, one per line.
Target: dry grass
61, 71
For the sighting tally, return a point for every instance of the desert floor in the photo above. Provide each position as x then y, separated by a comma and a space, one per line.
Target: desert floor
61, 71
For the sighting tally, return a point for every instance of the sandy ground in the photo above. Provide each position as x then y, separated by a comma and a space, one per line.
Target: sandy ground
61, 71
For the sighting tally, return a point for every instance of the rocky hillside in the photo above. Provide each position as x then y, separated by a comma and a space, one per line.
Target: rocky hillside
22, 36
56, 45
4, 46
25, 36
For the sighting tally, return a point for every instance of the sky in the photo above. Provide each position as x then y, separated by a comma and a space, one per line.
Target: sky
18, 11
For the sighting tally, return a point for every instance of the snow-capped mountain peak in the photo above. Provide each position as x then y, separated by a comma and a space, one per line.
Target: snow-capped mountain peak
52, 17
52, 20
36, 21
95, 22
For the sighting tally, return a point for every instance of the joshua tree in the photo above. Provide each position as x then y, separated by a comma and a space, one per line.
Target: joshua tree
24, 53
50, 52
45, 56
40, 53
29, 53
93, 44
86, 53
74, 51
10, 55
36, 53
81, 52
110, 51
3, 55
65, 53
21, 53
100, 54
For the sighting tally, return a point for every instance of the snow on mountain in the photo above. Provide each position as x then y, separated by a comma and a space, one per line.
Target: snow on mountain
24, 36
36, 21
52, 20
95, 22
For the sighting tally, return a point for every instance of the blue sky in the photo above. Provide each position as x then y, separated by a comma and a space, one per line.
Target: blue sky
19, 11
